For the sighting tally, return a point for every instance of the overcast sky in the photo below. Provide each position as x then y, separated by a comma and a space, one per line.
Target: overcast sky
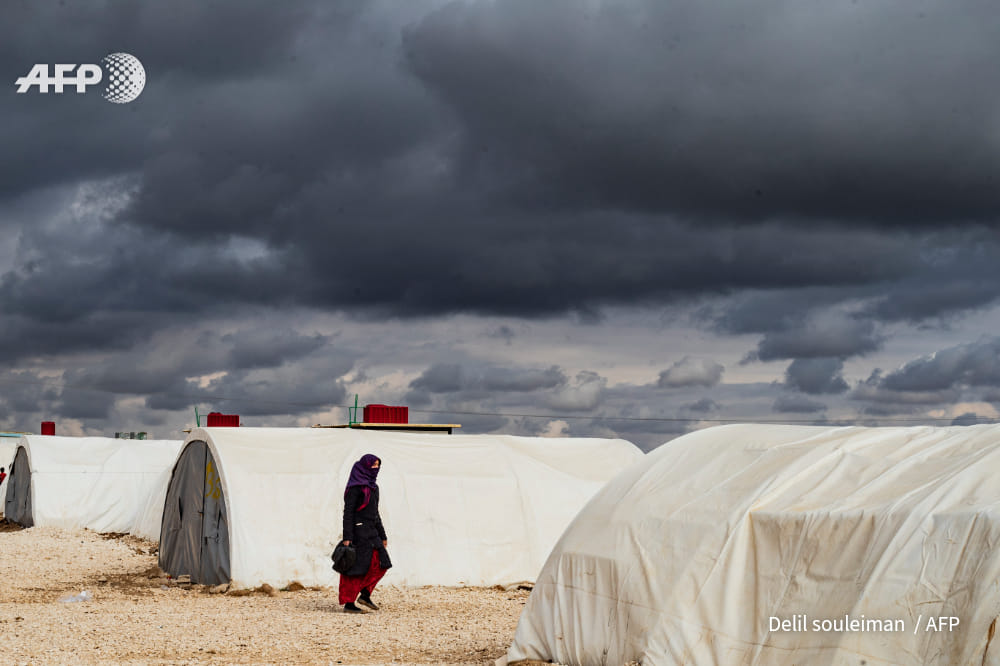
631, 217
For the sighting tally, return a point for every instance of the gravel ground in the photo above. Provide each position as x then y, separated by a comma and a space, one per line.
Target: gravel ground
137, 616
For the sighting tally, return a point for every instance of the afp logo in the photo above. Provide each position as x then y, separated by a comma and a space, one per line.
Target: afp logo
124, 77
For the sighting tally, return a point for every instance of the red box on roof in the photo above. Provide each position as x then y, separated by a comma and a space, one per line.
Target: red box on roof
48, 427
386, 414
220, 420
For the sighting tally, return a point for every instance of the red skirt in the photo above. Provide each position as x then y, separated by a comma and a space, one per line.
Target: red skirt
351, 586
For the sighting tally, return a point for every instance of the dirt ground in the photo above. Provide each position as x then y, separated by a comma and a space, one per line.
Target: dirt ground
137, 616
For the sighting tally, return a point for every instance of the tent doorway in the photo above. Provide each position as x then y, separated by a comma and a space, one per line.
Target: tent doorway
17, 503
194, 535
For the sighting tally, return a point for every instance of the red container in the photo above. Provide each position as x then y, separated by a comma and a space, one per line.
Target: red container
48, 427
220, 420
386, 414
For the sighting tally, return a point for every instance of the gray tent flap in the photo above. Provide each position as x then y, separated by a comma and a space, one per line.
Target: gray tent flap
215, 529
194, 534
17, 503
180, 531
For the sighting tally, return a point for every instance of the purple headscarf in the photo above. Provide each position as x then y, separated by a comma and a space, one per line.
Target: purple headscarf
363, 475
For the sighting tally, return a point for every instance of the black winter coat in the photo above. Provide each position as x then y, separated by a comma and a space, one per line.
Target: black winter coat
363, 528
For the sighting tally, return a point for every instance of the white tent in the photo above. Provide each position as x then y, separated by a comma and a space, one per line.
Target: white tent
104, 484
256, 505
700, 553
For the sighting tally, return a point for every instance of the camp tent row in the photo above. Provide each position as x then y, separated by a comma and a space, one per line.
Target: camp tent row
686, 557
103, 484
265, 505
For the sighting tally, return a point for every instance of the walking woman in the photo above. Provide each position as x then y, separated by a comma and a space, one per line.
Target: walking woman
363, 529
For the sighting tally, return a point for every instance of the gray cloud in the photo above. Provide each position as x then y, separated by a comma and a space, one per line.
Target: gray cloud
691, 372
824, 336
584, 393
816, 375
803, 140
302, 388
772, 171
974, 364
797, 404
268, 349
874, 389
454, 377
704, 405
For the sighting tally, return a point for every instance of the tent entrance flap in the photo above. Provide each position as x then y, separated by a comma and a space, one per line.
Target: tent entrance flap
17, 503
194, 534
215, 529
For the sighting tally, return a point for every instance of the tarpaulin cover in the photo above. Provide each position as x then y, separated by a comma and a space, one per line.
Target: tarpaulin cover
104, 484
17, 496
685, 557
458, 509
194, 539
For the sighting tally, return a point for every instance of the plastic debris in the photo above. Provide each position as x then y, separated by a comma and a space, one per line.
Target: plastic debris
83, 596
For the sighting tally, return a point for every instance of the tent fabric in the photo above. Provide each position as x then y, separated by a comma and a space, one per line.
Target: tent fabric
458, 509
685, 558
17, 498
194, 540
100, 483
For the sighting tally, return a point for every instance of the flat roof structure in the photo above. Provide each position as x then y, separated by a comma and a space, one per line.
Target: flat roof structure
398, 427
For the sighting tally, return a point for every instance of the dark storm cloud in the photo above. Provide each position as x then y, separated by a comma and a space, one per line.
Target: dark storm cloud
839, 337
874, 390
689, 372
816, 172
177, 393
503, 332
300, 388
723, 107
797, 404
267, 349
974, 364
506, 207
166, 371
439, 378
79, 404
30, 397
189, 41
22, 338
26, 391
704, 405
470, 377
816, 375
286, 142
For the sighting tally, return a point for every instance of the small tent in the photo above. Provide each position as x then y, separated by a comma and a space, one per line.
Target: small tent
756, 544
104, 484
265, 505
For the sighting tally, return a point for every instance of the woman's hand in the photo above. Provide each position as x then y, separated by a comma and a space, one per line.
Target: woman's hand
385, 542
347, 543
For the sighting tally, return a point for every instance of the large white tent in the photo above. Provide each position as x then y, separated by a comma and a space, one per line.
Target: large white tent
748, 544
104, 484
256, 505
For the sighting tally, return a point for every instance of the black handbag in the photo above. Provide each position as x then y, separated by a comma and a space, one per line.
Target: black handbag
343, 558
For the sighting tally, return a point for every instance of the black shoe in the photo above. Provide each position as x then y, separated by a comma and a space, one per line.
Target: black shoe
351, 608
366, 600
